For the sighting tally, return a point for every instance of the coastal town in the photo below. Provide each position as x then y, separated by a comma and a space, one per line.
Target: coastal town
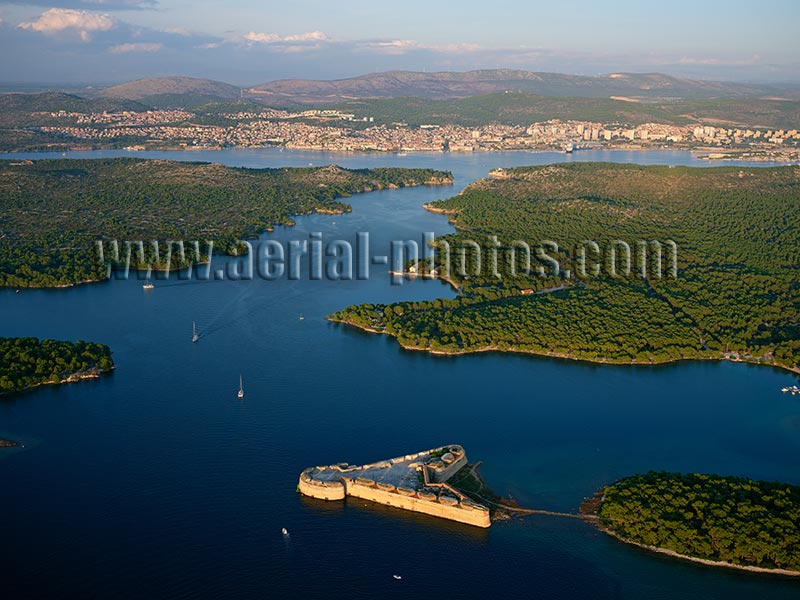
336, 131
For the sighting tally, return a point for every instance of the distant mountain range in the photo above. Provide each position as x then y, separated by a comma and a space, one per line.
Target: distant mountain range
187, 91
515, 108
142, 88
177, 91
395, 84
470, 99
511, 108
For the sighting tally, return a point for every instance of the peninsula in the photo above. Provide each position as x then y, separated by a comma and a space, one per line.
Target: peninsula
727, 290
55, 212
416, 482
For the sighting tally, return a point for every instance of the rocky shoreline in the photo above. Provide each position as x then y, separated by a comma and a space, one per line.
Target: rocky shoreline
702, 561
559, 355
93, 373
591, 507
410, 275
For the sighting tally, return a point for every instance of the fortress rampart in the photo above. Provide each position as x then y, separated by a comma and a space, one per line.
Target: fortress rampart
322, 490
415, 482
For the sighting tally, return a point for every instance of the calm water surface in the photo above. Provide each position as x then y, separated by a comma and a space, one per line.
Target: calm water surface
156, 481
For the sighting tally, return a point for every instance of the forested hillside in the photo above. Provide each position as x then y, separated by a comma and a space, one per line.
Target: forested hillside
53, 212
734, 292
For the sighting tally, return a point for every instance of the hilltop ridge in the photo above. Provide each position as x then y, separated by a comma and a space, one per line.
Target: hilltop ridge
440, 85
448, 84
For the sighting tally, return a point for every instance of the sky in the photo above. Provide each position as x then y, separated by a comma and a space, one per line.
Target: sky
247, 42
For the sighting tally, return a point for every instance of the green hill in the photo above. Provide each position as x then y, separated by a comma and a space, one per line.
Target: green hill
17, 110
522, 109
734, 292
53, 212
172, 87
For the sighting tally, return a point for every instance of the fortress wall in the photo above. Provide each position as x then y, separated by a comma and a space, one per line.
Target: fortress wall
348, 483
442, 475
469, 513
322, 490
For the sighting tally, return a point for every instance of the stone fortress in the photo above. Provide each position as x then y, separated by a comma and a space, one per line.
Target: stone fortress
415, 482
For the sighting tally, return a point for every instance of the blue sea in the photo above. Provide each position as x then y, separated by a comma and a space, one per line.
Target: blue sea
157, 482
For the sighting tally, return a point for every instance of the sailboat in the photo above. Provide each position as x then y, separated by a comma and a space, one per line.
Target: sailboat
148, 285
195, 335
241, 389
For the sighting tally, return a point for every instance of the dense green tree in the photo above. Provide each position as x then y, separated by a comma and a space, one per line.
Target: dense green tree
735, 293
53, 213
728, 519
28, 362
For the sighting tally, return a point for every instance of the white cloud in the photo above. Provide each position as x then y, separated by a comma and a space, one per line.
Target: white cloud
273, 38
121, 4
310, 36
297, 48
90, 4
263, 38
399, 47
141, 47
58, 20
395, 44
394, 47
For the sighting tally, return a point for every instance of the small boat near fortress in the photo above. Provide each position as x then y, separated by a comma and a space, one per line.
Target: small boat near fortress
793, 390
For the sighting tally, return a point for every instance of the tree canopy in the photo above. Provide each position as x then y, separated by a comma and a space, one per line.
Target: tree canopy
734, 291
728, 519
53, 212
28, 362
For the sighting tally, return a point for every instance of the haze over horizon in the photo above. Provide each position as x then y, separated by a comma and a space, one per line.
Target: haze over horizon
248, 42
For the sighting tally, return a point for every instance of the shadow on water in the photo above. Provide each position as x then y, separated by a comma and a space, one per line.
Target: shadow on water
405, 518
